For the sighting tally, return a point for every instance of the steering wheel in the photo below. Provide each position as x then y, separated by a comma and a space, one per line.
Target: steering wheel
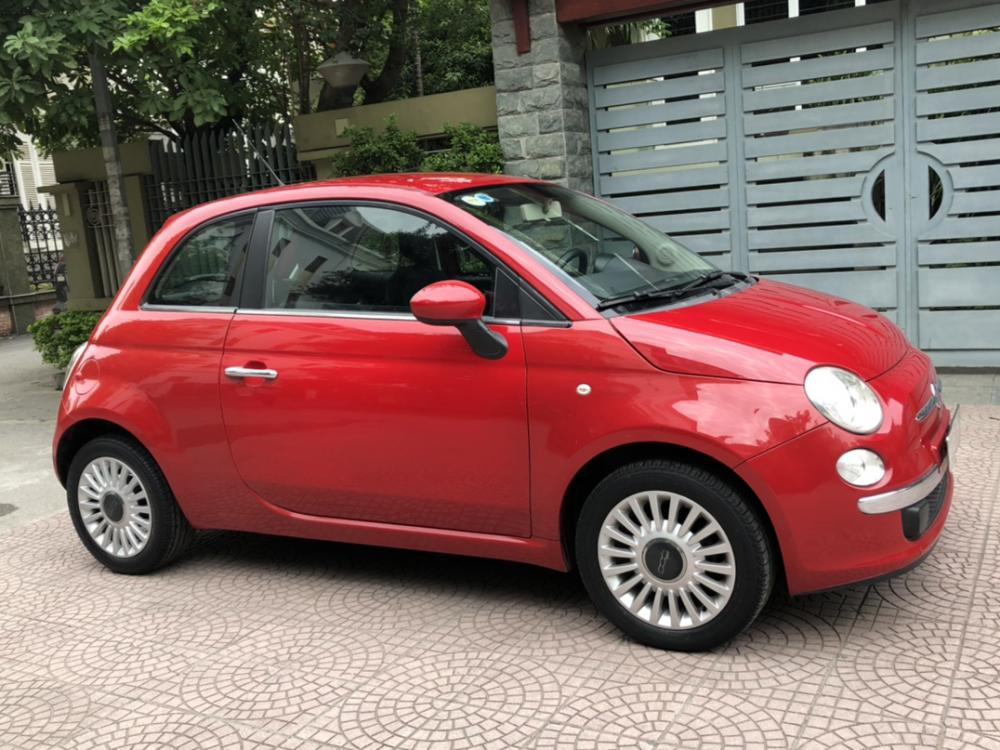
573, 254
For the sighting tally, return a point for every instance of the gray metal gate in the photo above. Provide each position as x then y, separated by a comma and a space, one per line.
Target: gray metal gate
856, 152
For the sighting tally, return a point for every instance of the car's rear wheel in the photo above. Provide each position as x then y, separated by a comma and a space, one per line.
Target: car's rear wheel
123, 509
674, 555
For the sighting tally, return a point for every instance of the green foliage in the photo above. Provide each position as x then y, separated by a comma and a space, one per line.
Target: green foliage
180, 65
456, 47
472, 149
57, 336
172, 65
379, 152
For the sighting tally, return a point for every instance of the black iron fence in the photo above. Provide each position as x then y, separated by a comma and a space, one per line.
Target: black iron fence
43, 244
100, 237
210, 165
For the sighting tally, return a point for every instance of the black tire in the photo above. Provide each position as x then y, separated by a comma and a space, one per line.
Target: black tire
170, 533
754, 561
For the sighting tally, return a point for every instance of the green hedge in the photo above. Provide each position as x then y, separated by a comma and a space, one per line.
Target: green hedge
56, 336
471, 149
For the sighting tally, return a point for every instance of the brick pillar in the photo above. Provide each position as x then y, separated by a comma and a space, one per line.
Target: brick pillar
542, 111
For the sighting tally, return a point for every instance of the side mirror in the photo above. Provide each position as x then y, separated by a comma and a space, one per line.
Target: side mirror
456, 303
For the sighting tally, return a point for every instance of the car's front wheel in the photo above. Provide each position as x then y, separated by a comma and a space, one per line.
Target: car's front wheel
674, 555
122, 508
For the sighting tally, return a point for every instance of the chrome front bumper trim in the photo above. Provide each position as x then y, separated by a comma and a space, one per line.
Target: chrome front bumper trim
886, 502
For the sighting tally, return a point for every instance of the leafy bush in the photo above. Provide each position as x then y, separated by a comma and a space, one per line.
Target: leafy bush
471, 149
56, 336
378, 152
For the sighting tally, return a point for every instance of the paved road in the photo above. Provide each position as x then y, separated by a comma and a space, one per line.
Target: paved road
28, 403
257, 642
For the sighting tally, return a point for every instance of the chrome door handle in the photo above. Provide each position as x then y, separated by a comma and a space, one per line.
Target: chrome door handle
249, 372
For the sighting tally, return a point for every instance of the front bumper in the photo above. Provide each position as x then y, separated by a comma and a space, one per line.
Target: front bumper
914, 494
833, 534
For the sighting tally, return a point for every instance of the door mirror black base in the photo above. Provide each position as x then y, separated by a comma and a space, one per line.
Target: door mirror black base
485, 342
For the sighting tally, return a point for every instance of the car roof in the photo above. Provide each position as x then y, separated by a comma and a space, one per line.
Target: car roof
432, 183
426, 183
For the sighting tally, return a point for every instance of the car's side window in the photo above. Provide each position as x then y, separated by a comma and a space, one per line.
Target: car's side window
364, 258
203, 272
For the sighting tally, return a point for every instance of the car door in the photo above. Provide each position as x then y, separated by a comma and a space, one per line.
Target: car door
357, 410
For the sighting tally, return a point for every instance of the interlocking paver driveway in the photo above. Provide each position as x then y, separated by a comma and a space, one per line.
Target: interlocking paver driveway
262, 642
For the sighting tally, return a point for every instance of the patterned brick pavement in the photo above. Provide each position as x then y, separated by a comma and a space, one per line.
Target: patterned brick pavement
260, 642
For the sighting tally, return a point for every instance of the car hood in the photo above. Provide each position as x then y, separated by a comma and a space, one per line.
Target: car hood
770, 331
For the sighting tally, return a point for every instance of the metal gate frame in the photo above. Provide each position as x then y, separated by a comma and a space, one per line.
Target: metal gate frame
904, 186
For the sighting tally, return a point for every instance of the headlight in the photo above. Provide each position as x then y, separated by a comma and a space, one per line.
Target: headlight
73, 360
844, 399
861, 467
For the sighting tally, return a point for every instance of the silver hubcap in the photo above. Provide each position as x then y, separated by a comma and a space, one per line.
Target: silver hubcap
666, 559
114, 507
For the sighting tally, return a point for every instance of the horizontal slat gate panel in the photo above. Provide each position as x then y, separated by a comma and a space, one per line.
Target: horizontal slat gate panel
939, 128
651, 181
647, 204
823, 41
819, 67
697, 131
952, 86
819, 117
871, 135
872, 288
960, 329
811, 93
958, 48
975, 177
693, 153
956, 21
848, 234
637, 70
691, 222
981, 201
959, 287
813, 133
635, 115
814, 166
957, 101
957, 74
707, 244
973, 226
806, 213
961, 152
804, 190
958, 252
818, 259
638, 93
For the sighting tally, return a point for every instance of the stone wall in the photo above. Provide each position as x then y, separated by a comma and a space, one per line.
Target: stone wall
542, 114
26, 308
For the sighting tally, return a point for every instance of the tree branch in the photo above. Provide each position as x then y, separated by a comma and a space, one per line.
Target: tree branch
378, 89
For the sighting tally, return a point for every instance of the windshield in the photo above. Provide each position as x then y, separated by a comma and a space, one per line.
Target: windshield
605, 250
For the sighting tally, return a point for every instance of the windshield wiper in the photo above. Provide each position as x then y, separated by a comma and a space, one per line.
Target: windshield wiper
708, 281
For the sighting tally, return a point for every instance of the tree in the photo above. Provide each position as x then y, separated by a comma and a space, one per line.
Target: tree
456, 47
177, 66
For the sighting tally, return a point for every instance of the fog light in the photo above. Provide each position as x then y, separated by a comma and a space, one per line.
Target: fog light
861, 467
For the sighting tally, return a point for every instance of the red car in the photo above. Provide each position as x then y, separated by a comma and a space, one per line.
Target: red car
492, 366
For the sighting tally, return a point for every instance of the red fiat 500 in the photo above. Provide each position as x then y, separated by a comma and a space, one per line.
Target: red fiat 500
501, 367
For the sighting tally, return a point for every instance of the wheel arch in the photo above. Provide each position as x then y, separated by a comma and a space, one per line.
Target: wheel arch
79, 434
598, 467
